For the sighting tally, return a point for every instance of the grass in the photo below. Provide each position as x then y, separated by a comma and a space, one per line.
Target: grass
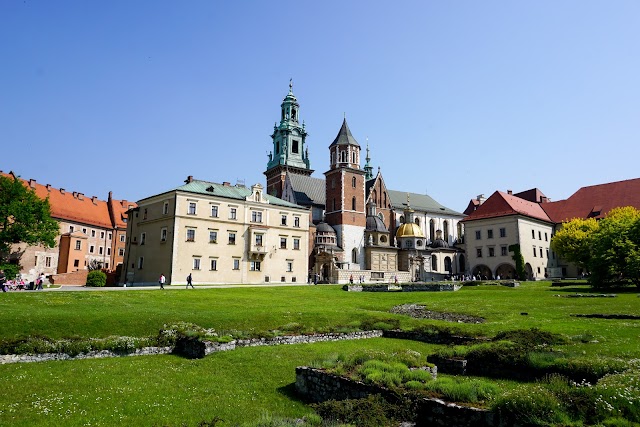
250, 383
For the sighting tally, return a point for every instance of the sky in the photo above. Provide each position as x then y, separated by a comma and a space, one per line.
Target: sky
455, 99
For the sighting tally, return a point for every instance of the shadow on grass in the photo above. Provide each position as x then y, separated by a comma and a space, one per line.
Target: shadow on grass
586, 289
290, 392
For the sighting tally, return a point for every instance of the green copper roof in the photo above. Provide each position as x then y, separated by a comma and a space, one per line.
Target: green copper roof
229, 192
419, 202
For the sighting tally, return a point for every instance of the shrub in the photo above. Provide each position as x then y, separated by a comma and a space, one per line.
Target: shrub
462, 389
532, 406
384, 324
372, 411
96, 278
531, 338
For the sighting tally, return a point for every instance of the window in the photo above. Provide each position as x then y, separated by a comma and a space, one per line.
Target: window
434, 263
143, 238
232, 238
196, 263
492, 252
353, 203
78, 245
503, 250
258, 239
71, 229
354, 256
353, 182
547, 253
192, 208
503, 232
533, 234
84, 230
540, 252
47, 261
296, 221
283, 243
100, 250
478, 235
93, 233
233, 213
283, 220
546, 237
294, 143
535, 253
140, 263
91, 248
539, 235
282, 279
109, 251
214, 264
236, 264
144, 214
163, 234
76, 263
289, 266
191, 235
121, 252
256, 216
213, 236
479, 252
122, 238
214, 211
165, 208
489, 234
254, 266
109, 236
296, 244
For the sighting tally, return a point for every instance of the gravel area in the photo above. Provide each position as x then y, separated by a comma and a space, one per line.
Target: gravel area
420, 312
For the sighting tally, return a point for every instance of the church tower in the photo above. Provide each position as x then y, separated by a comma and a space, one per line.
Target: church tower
345, 196
289, 154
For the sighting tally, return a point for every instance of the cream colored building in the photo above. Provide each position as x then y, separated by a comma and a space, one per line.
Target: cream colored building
219, 233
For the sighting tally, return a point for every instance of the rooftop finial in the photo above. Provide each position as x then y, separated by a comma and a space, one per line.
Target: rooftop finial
408, 204
345, 115
291, 85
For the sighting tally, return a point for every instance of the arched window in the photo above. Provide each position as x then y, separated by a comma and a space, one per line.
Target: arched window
354, 256
432, 229
434, 263
446, 231
353, 182
417, 221
401, 219
353, 203
447, 264
278, 146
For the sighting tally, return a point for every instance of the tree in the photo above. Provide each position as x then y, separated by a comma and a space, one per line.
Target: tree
608, 249
24, 218
573, 241
616, 248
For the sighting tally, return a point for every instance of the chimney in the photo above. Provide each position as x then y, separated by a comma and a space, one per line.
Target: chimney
80, 196
226, 184
94, 200
110, 195
48, 187
189, 179
32, 183
510, 192
62, 191
544, 199
75, 195
480, 199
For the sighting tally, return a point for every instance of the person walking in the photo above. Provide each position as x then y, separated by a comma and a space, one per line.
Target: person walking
162, 281
3, 281
189, 281
40, 281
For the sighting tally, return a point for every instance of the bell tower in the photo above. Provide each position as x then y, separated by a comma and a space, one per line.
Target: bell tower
345, 208
289, 153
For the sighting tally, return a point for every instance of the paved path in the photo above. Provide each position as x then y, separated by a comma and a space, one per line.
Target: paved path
167, 287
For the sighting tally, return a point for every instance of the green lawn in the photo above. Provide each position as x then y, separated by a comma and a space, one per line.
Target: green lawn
242, 385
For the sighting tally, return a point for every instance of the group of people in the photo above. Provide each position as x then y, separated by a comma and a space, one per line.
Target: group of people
19, 284
162, 280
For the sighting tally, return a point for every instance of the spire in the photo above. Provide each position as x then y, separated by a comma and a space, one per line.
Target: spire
344, 136
368, 169
291, 86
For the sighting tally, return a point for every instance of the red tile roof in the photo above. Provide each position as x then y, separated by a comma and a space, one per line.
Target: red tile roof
595, 201
502, 204
76, 207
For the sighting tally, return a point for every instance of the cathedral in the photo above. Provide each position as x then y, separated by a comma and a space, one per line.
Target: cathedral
361, 230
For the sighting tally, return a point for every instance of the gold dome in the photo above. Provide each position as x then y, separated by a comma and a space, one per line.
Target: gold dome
409, 230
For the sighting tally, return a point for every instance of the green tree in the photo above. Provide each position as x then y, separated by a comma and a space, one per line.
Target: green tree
573, 242
24, 218
616, 248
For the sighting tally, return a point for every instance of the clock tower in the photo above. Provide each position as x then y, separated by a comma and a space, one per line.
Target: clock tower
289, 153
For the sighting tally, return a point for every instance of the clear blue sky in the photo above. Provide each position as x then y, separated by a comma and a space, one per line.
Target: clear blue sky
456, 98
